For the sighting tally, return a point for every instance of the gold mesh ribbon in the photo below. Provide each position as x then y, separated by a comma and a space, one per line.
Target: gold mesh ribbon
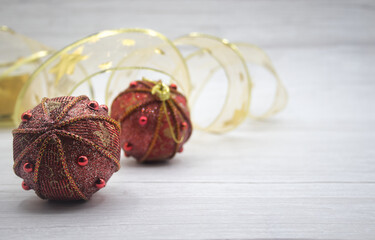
19, 57
191, 62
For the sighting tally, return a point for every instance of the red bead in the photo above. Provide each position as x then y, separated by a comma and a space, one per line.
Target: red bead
173, 86
143, 120
82, 161
24, 186
184, 125
104, 107
100, 183
180, 149
26, 116
28, 167
133, 84
93, 105
128, 146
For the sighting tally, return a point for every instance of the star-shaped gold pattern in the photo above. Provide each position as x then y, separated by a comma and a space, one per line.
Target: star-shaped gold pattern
103, 134
67, 63
238, 116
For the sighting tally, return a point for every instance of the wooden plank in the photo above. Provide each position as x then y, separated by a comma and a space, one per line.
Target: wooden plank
186, 211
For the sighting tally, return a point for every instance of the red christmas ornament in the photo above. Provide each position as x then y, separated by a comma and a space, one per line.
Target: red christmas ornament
66, 148
154, 118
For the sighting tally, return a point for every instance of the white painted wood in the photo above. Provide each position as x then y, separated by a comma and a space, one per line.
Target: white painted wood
308, 173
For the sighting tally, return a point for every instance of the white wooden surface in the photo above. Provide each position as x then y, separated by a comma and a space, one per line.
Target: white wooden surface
308, 173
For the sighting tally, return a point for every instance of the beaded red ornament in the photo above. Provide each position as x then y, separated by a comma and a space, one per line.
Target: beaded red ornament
66, 148
154, 118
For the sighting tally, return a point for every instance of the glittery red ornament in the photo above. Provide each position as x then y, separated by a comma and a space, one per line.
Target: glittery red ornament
155, 120
66, 148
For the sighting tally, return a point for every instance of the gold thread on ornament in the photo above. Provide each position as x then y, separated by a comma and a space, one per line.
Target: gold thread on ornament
162, 91
178, 141
155, 136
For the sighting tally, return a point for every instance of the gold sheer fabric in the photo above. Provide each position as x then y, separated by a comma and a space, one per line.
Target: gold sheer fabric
19, 57
118, 57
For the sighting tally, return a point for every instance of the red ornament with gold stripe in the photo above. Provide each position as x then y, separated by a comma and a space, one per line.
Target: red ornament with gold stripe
155, 120
66, 148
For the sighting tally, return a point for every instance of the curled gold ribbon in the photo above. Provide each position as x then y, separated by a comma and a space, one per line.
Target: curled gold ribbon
20, 56
120, 56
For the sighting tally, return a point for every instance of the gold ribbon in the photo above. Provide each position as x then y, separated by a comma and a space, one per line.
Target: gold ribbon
125, 55
22, 55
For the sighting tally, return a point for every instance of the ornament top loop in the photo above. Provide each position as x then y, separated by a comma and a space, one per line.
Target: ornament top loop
161, 90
